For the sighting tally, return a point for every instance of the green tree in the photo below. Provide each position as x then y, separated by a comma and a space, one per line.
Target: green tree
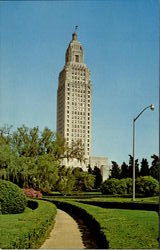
98, 177
124, 171
83, 180
155, 167
90, 170
129, 185
5, 135
76, 150
6, 157
66, 181
131, 167
115, 171
110, 186
30, 158
144, 171
88, 181
46, 173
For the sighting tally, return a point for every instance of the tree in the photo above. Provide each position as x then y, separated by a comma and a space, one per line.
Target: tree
75, 151
6, 157
110, 186
90, 170
25, 141
88, 181
115, 171
5, 135
31, 158
155, 167
66, 181
131, 167
124, 171
83, 180
46, 173
98, 177
144, 171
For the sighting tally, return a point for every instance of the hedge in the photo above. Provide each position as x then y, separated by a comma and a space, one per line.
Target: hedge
12, 199
28, 229
123, 205
145, 185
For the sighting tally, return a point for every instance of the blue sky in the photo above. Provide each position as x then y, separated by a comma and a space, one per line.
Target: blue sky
120, 41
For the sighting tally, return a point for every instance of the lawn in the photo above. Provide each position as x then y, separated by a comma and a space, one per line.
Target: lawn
28, 229
98, 196
125, 228
124, 199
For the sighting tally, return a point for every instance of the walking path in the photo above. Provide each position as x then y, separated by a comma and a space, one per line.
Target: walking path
65, 233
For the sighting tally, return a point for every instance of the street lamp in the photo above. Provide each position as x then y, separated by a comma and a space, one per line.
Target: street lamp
134, 120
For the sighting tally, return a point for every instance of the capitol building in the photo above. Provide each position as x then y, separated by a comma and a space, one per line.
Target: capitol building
74, 106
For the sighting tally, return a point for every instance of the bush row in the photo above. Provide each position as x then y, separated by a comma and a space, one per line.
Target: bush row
29, 229
73, 208
145, 185
123, 205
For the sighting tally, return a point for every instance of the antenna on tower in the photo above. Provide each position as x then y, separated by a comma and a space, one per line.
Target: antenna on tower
76, 28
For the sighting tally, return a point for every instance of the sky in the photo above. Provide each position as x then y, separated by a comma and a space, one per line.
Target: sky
120, 41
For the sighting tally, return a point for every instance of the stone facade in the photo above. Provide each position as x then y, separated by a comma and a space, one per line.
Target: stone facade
74, 101
102, 163
74, 98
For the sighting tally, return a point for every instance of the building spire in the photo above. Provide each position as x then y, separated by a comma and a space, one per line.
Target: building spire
74, 35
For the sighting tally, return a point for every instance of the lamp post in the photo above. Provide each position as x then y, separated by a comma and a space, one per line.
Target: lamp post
134, 120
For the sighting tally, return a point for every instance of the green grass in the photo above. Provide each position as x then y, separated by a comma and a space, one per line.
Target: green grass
28, 229
125, 228
98, 196
124, 199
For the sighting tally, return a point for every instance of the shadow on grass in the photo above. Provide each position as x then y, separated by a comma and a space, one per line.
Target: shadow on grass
87, 236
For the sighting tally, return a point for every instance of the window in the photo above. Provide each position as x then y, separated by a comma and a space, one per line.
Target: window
76, 58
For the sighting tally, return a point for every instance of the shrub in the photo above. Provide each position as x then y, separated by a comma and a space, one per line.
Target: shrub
115, 186
110, 186
30, 192
129, 185
121, 187
27, 230
12, 199
147, 185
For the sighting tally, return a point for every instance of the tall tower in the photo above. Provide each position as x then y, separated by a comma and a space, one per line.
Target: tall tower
74, 98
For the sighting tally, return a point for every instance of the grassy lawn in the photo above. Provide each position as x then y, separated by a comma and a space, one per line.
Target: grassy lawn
98, 196
125, 228
28, 229
124, 199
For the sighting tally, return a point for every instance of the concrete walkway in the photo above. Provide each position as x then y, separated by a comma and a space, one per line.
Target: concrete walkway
65, 233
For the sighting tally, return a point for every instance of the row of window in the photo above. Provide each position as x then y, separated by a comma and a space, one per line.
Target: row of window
78, 129
78, 77
78, 81
78, 136
79, 72
80, 100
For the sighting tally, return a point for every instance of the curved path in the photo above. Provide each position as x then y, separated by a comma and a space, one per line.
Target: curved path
65, 234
